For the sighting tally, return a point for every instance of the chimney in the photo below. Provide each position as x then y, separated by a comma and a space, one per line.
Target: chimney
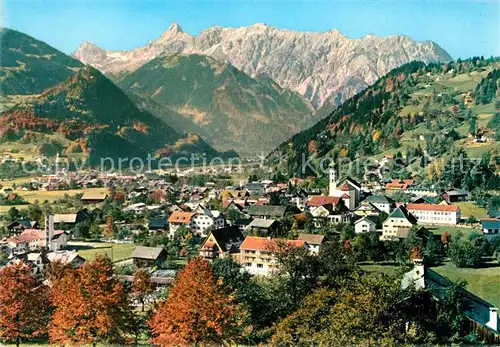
493, 322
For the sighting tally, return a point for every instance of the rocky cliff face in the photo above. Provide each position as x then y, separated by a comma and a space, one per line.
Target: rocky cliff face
320, 66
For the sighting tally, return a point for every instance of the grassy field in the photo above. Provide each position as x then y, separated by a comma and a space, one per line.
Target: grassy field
51, 196
483, 282
438, 230
470, 209
115, 251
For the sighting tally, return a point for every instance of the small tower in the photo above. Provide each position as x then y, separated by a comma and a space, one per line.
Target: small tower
49, 231
333, 180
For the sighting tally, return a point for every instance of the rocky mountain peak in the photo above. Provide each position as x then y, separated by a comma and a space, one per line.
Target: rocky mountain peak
320, 66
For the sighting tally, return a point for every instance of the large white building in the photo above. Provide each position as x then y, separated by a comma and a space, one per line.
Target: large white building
435, 213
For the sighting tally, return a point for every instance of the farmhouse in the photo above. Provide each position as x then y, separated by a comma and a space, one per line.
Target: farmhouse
148, 256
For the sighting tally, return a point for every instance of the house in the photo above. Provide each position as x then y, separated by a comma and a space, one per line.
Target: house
93, 198
435, 213
398, 224
256, 254
178, 219
366, 208
481, 136
382, 202
398, 185
267, 211
421, 191
222, 243
455, 195
65, 218
365, 225
331, 209
148, 256
490, 227
255, 188
264, 226
482, 316
242, 223
299, 199
159, 224
313, 242
66, 257
37, 262
17, 227
346, 188
204, 219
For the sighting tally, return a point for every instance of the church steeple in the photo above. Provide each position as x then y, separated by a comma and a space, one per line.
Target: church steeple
333, 180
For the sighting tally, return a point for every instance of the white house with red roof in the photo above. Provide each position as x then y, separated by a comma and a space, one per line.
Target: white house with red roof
256, 253
328, 208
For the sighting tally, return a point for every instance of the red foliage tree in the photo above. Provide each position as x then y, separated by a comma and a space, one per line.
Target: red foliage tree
141, 285
197, 310
90, 305
24, 304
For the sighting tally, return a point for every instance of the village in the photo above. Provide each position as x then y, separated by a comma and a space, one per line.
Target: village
158, 222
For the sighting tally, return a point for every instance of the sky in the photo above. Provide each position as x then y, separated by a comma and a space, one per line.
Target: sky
463, 28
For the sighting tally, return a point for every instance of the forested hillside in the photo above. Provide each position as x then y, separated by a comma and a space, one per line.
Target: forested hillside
422, 113
89, 116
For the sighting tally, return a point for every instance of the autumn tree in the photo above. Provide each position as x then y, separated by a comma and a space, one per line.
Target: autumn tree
90, 305
141, 285
297, 268
370, 309
197, 310
24, 308
110, 228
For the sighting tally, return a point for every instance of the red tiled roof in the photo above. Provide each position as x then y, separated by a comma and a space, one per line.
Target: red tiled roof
28, 235
432, 207
180, 217
393, 185
319, 200
264, 243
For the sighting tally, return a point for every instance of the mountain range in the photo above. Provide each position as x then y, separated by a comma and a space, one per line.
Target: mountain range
246, 89
319, 66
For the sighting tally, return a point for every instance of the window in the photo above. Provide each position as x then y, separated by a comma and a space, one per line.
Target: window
260, 266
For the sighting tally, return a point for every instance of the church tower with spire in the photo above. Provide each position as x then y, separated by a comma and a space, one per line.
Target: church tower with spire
333, 180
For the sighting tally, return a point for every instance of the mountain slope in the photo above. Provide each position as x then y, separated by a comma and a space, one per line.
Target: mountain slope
95, 118
319, 66
231, 109
418, 110
29, 66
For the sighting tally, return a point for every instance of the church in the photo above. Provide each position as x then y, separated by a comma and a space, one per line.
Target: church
346, 188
